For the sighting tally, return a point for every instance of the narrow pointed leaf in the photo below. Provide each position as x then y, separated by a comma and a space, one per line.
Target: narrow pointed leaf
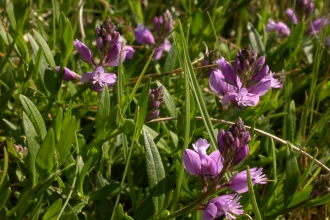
57, 124
292, 175
45, 48
63, 146
83, 173
103, 112
4, 197
44, 161
53, 211
32, 145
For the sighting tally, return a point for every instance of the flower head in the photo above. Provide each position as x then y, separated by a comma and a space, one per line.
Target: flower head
98, 79
106, 36
239, 183
198, 163
317, 25
143, 35
21, 152
291, 15
166, 46
223, 205
280, 27
233, 144
155, 99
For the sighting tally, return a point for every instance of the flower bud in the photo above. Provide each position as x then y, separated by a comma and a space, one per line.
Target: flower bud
84, 51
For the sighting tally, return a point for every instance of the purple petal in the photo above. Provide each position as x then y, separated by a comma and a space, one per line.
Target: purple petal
129, 52
229, 73
143, 35
216, 163
87, 77
280, 27
192, 162
240, 156
261, 88
68, 74
291, 15
84, 51
317, 25
201, 146
159, 50
217, 83
260, 75
222, 143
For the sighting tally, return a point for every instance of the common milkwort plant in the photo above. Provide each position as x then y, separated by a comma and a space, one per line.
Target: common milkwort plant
114, 110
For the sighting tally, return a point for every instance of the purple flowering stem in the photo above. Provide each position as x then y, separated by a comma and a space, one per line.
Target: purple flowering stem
201, 199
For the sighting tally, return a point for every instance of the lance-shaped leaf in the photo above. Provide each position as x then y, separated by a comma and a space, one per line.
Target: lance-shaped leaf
45, 48
63, 146
292, 175
155, 172
32, 145
53, 211
44, 161
34, 115
103, 112
66, 37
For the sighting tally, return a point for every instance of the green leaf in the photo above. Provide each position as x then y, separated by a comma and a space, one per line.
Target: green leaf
11, 14
255, 40
320, 200
170, 60
103, 112
106, 191
33, 147
295, 38
155, 172
67, 116
292, 176
197, 22
69, 215
45, 48
34, 115
3, 34
5, 96
169, 103
65, 37
301, 196
83, 173
252, 196
189, 69
141, 111
45, 156
120, 215
53, 211
64, 144
5, 166
4, 197
21, 8
57, 124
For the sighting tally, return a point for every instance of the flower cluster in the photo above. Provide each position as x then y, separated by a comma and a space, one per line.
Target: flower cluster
109, 49
321, 185
21, 152
303, 9
243, 84
232, 151
162, 27
155, 99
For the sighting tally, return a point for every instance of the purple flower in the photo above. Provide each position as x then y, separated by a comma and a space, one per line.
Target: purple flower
198, 163
274, 82
291, 15
233, 144
241, 98
143, 35
84, 51
99, 79
155, 99
163, 24
112, 58
229, 73
129, 52
68, 74
317, 25
239, 184
218, 83
223, 205
280, 27
166, 46
21, 152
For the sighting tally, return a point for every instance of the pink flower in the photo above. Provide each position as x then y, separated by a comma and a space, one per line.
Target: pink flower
143, 35
280, 27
